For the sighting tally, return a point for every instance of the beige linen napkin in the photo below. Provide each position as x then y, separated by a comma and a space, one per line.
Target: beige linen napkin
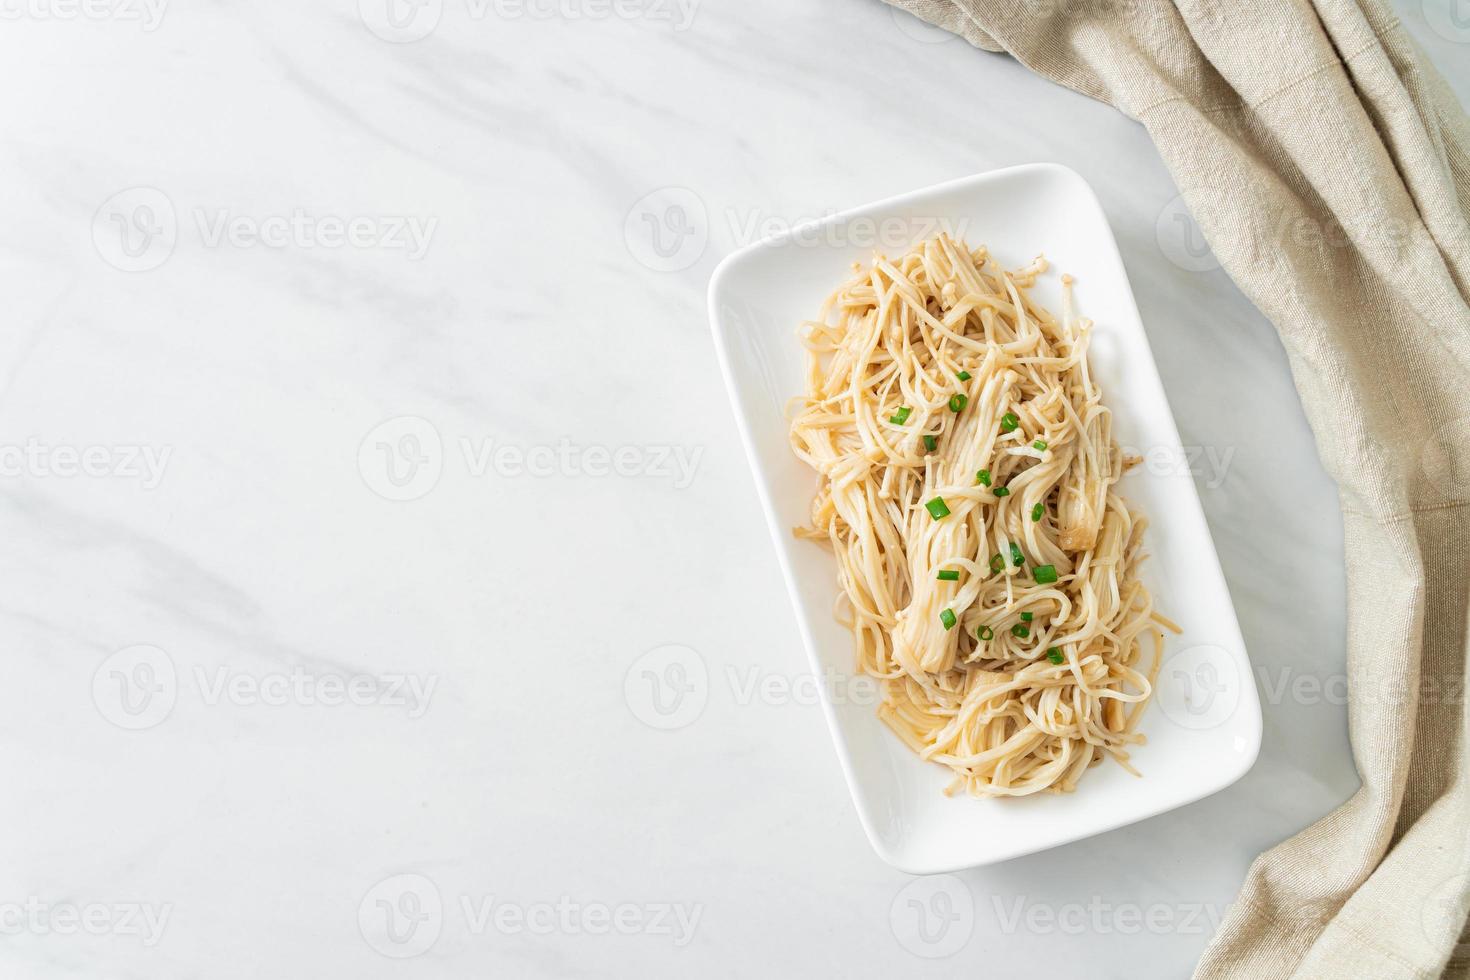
1329, 167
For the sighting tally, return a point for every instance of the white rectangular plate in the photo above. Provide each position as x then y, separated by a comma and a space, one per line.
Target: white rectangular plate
1204, 724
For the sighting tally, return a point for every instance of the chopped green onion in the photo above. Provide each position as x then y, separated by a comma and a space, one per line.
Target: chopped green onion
1039, 444
1017, 558
997, 563
900, 417
1054, 654
1021, 630
931, 443
1045, 574
1002, 491
986, 633
957, 402
1037, 511
983, 477
1026, 617
948, 575
946, 616
1009, 422
963, 376
937, 508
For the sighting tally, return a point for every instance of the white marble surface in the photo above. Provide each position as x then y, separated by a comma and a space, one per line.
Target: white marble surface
245, 689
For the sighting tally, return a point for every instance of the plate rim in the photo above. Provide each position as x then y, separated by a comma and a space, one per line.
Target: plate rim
722, 334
